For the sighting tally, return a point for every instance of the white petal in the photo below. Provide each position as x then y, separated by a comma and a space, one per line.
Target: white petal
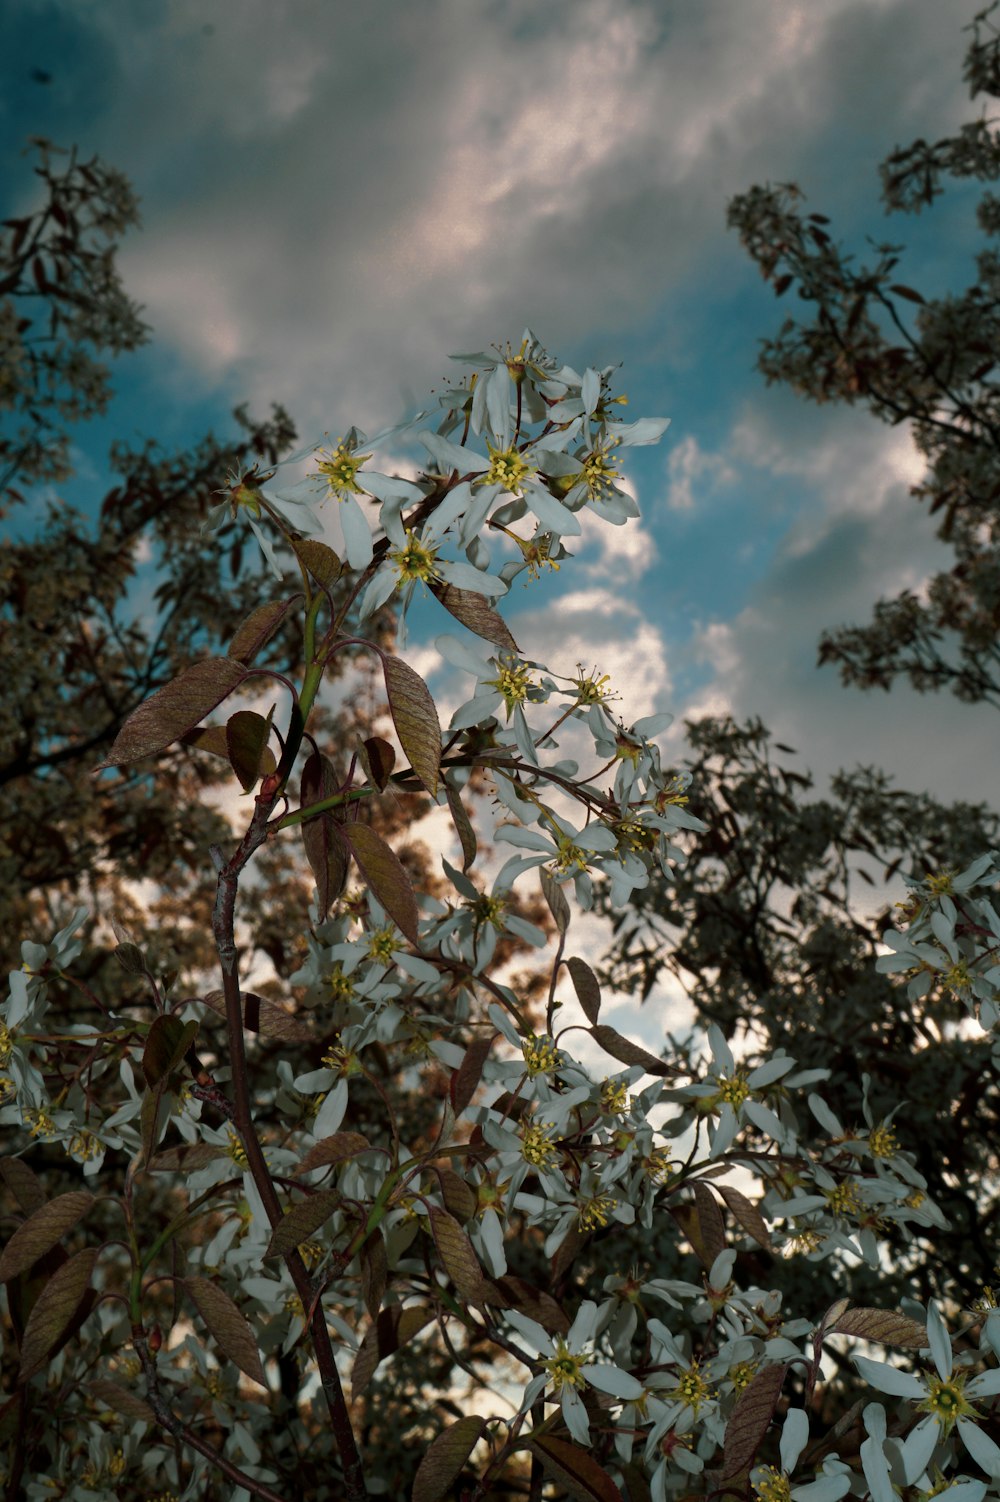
531, 1331
611, 1379
890, 1379
982, 1449
357, 535
824, 1489
794, 1433
918, 1447
939, 1341
575, 1415
986, 1385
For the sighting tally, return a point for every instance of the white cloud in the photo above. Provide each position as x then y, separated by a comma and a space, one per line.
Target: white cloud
690, 468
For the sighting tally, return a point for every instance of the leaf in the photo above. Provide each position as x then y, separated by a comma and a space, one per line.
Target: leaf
746, 1214
445, 1457
458, 1258
188, 1158
246, 741
258, 628
626, 1051
385, 874
168, 1041
463, 824
575, 1470
533, 1302
886, 1326
228, 1326
465, 1080
749, 1420
23, 1183
393, 1328
460, 1199
556, 899
378, 759
43, 1230
212, 738
474, 612
120, 1399
713, 1230
178, 707
910, 293
585, 985
416, 720
374, 1271
61, 1308
321, 561
298, 1223
324, 851
267, 1018
335, 1149
131, 959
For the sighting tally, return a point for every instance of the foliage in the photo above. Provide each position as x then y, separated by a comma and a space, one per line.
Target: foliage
929, 362
275, 1200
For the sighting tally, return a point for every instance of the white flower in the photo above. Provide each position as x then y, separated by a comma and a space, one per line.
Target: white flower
568, 1367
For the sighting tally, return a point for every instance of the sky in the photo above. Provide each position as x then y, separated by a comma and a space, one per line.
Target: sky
336, 196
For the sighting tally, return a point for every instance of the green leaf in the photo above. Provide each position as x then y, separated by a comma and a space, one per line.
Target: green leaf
335, 1149
246, 741
393, 1328
60, 1308
168, 1041
475, 613
299, 1223
574, 1470
111, 1395
23, 1183
385, 874
228, 1326
749, 1420
416, 720
177, 708
324, 851
585, 985
445, 1458
42, 1231
258, 628
886, 1326
321, 561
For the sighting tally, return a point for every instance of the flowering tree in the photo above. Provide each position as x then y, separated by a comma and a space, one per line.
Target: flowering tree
211, 1266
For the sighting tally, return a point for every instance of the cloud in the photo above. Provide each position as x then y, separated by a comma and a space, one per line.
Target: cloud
691, 468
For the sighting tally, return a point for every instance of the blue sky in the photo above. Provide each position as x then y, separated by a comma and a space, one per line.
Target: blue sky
336, 196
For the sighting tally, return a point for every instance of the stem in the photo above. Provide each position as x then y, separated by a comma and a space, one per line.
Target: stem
223, 924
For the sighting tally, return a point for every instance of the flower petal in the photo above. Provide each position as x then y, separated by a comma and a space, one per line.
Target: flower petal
611, 1379
890, 1379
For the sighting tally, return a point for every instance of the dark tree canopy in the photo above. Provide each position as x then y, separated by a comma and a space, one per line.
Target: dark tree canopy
866, 337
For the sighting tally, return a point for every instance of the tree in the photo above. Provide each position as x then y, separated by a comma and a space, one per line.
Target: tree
929, 362
275, 1201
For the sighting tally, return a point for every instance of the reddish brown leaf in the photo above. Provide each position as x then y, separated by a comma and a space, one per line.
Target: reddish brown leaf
298, 1223
574, 1470
374, 1271
713, 1230
463, 824
228, 1326
378, 758
626, 1051
585, 985
416, 720
335, 1149
324, 851
42, 1231
445, 1458
321, 561
886, 1326
393, 1328
556, 899
258, 628
458, 1258
177, 708
246, 742
475, 613
121, 1400
23, 1183
465, 1080
186, 1159
460, 1199
268, 1018
57, 1311
746, 1214
520, 1294
750, 1418
167, 1042
212, 738
385, 874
